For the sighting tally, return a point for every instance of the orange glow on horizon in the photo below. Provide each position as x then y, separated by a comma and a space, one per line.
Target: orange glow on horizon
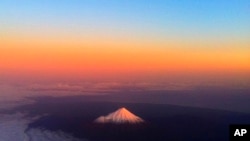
107, 56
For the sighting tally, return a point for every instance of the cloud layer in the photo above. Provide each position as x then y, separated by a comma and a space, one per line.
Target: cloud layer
14, 127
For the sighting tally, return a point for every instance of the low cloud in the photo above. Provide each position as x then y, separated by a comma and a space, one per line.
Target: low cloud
14, 127
45, 135
102, 87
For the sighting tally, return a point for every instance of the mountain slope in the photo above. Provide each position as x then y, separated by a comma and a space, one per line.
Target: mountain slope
122, 115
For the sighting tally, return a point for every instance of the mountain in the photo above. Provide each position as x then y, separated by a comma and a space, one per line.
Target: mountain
120, 116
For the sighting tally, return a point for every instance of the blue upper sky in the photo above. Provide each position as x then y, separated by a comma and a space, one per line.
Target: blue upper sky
180, 17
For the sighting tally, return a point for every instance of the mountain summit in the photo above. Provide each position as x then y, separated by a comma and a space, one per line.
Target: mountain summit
120, 116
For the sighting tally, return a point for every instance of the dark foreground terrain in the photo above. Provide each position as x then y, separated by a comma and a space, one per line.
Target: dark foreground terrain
75, 115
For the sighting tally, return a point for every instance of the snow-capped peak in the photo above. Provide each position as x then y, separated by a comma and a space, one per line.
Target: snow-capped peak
121, 115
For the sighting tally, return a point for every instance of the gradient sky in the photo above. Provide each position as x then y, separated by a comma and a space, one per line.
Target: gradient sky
121, 37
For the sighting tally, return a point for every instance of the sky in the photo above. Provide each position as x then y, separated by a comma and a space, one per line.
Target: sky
145, 40
180, 52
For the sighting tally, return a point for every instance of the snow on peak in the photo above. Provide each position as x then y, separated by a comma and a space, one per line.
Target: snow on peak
121, 115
